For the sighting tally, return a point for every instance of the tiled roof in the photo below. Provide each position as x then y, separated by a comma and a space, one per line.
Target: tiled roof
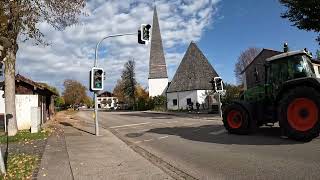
194, 72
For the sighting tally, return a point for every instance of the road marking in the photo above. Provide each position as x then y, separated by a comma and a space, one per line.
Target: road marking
218, 132
137, 142
163, 137
147, 140
172, 122
129, 125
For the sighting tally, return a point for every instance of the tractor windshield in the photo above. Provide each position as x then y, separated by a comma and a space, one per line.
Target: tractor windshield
300, 66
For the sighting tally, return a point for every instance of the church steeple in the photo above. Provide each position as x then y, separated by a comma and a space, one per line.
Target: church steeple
158, 77
157, 64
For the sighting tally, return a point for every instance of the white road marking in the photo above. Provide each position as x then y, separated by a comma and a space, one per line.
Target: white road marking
218, 132
163, 137
129, 125
147, 140
172, 122
137, 142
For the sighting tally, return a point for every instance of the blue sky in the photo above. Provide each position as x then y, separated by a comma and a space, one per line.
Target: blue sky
221, 28
248, 23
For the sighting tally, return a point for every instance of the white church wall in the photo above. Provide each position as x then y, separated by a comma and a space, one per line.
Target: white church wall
157, 86
181, 98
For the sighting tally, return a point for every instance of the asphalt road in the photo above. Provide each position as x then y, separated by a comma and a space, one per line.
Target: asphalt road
202, 148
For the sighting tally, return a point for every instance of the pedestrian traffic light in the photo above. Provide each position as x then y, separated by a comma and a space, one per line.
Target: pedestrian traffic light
218, 84
145, 33
96, 79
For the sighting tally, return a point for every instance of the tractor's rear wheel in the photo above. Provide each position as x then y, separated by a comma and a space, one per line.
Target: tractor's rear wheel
299, 113
236, 119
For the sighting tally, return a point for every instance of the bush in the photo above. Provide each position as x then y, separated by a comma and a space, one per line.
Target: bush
158, 103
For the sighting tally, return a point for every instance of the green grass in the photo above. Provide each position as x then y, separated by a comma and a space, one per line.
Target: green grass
25, 135
20, 166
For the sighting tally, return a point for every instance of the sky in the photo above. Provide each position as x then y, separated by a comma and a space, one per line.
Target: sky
222, 29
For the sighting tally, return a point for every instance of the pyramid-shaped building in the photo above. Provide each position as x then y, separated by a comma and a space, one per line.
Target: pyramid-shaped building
191, 83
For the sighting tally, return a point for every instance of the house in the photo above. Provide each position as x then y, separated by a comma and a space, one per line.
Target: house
316, 66
191, 82
30, 97
106, 100
254, 73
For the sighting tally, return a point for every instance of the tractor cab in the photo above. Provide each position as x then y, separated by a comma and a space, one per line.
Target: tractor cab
289, 66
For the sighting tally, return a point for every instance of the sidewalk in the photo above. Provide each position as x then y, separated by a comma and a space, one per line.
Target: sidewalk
78, 154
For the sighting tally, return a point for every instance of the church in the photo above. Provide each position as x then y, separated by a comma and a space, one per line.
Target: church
191, 82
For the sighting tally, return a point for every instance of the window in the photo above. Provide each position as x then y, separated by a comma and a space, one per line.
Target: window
175, 102
256, 74
319, 69
189, 101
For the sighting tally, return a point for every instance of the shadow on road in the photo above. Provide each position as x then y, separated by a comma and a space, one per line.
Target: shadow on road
68, 124
206, 133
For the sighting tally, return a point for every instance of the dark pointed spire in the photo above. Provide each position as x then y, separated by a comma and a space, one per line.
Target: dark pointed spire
157, 64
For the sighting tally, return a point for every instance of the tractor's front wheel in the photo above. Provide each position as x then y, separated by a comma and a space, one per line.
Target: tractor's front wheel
299, 113
236, 119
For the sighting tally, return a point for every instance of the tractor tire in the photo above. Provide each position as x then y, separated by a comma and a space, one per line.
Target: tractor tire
236, 119
299, 113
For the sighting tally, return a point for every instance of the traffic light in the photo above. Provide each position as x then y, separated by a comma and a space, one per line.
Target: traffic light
96, 79
139, 38
145, 34
218, 84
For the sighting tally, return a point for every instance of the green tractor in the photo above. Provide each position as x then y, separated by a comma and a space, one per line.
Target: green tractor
290, 95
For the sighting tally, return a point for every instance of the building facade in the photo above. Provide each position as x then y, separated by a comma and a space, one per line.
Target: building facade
106, 100
254, 73
33, 101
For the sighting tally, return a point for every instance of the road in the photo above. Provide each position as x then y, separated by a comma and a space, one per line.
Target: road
201, 147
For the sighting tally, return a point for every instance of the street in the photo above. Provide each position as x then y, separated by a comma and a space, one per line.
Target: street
200, 148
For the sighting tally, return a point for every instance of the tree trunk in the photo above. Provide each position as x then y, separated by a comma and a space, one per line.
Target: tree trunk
10, 91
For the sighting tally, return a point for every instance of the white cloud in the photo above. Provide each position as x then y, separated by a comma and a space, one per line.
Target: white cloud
71, 52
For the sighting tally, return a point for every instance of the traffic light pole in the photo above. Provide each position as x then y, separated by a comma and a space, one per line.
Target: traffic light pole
95, 65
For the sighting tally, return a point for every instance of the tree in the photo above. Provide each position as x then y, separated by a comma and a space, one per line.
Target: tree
232, 93
20, 18
303, 14
245, 58
74, 92
143, 100
129, 81
88, 102
118, 91
59, 102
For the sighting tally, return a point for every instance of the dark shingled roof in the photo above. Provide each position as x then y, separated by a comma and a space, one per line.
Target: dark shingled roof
157, 64
194, 72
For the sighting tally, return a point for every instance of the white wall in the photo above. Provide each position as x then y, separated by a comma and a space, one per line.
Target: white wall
24, 103
157, 86
114, 101
182, 99
316, 70
2, 109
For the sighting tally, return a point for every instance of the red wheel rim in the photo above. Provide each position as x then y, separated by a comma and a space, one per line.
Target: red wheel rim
234, 119
302, 114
